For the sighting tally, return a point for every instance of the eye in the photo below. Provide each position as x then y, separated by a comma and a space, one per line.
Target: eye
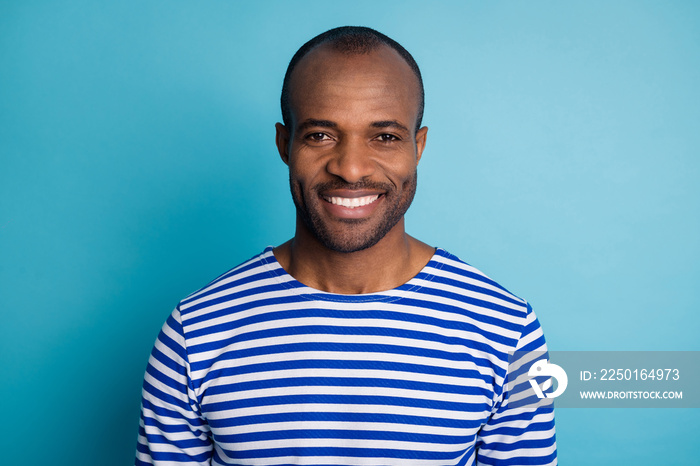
386, 137
317, 137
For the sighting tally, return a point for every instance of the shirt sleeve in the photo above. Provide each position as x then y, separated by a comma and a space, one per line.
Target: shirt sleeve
172, 430
517, 432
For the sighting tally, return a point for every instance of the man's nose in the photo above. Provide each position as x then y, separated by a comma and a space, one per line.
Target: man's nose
352, 161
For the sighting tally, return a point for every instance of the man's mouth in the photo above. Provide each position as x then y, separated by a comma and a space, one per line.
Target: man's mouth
351, 202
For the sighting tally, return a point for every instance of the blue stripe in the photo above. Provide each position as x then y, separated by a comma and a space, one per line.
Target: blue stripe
351, 347
181, 444
172, 344
167, 361
344, 400
344, 452
179, 457
165, 380
503, 295
470, 274
344, 417
161, 395
337, 330
169, 428
230, 297
517, 431
519, 460
468, 300
250, 264
339, 365
170, 413
524, 416
347, 382
349, 316
345, 434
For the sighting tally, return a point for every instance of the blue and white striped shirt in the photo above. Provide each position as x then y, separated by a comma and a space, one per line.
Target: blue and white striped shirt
258, 369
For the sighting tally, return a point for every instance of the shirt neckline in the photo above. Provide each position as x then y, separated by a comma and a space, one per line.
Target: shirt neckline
277, 272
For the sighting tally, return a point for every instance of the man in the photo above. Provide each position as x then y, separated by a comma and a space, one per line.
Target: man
353, 343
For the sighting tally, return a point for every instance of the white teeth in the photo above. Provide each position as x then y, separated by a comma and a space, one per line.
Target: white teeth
353, 201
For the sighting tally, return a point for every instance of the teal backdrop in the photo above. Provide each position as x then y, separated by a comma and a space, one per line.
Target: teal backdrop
137, 162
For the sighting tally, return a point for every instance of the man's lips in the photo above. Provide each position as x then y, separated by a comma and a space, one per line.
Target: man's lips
351, 203
351, 198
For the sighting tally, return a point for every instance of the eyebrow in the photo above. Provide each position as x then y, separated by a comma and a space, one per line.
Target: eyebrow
389, 124
312, 122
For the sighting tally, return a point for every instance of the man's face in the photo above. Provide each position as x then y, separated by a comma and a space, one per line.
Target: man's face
352, 149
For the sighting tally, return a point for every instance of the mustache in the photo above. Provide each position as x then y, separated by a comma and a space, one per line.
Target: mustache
360, 185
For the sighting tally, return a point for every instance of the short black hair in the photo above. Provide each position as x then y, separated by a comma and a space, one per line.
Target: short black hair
350, 40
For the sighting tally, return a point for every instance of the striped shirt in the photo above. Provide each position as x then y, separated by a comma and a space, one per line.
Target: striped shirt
257, 368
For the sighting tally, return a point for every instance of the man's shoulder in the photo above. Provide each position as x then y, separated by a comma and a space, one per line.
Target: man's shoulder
451, 267
250, 274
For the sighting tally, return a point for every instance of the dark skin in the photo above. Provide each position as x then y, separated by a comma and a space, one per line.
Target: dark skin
352, 140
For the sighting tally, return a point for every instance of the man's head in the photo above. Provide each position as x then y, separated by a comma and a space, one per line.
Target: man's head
350, 40
351, 138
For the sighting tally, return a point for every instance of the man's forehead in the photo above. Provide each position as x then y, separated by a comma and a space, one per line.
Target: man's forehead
324, 65
326, 58
328, 51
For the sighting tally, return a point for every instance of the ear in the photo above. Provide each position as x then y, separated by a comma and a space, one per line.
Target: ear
421, 136
282, 141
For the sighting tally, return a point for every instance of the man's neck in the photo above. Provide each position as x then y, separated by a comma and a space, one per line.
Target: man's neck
393, 261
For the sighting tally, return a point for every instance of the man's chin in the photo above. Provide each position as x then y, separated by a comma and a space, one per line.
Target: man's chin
347, 243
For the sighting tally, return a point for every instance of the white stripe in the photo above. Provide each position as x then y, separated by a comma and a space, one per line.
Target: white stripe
346, 408
333, 460
369, 392
368, 444
464, 335
360, 426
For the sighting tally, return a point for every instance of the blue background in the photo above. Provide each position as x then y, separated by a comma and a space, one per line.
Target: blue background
137, 162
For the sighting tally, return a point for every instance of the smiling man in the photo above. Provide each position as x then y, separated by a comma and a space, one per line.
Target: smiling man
353, 343
352, 143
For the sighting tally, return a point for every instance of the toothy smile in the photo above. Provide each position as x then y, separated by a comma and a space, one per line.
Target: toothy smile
352, 202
